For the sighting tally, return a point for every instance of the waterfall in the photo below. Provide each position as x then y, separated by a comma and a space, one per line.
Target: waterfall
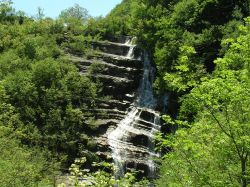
132, 127
146, 95
128, 41
115, 140
130, 54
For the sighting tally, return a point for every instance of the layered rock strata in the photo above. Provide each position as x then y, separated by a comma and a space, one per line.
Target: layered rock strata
126, 121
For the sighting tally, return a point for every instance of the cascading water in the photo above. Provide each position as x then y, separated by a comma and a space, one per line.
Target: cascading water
130, 53
146, 95
134, 127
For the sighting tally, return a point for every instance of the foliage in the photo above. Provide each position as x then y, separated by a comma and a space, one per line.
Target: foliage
43, 99
217, 140
76, 12
167, 28
186, 72
118, 22
50, 97
6, 10
96, 68
80, 177
201, 52
40, 15
21, 166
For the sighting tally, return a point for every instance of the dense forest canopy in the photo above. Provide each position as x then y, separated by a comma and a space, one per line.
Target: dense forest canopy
43, 97
201, 51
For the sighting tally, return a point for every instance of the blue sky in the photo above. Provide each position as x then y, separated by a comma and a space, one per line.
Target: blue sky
52, 8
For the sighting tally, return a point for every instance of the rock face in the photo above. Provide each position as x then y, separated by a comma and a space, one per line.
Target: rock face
132, 141
127, 122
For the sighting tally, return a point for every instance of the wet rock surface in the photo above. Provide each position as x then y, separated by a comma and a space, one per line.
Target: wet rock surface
126, 121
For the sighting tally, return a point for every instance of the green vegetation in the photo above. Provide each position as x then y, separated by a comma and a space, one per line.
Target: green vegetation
117, 22
44, 101
101, 177
201, 51
213, 149
22, 166
76, 12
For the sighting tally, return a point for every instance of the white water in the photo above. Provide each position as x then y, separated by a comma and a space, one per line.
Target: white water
130, 54
146, 95
119, 139
115, 140
129, 42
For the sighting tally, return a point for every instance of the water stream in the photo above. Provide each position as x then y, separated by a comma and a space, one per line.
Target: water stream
132, 141
130, 54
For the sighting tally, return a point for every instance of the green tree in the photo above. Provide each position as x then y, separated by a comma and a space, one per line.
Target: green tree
212, 147
40, 13
20, 165
76, 12
6, 10
101, 177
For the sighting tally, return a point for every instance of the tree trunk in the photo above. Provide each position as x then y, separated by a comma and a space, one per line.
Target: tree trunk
243, 172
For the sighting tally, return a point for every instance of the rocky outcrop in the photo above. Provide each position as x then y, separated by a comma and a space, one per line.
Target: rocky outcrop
120, 49
120, 75
124, 127
132, 141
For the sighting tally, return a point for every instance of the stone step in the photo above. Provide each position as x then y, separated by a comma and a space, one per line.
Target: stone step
113, 80
106, 68
111, 47
101, 125
146, 125
117, 87
87, 62
118, 60
120, 49
132, 151
118, 39
130, 131
107, 114
113, 104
